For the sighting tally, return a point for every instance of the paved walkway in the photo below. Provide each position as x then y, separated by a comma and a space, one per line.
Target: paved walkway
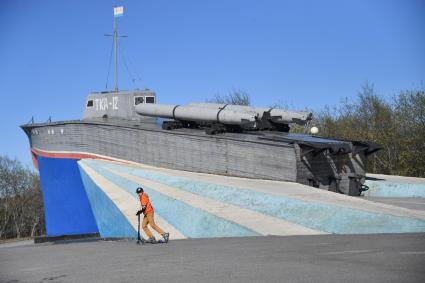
318, 258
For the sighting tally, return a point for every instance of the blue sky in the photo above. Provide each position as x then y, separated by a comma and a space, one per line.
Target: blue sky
305, 54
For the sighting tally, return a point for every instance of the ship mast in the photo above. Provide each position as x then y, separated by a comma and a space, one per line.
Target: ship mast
116, 52
118, 12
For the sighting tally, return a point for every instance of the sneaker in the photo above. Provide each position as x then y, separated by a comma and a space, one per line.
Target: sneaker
166, 237
151, 240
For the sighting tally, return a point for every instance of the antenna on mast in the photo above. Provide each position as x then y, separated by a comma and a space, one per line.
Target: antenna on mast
118, 12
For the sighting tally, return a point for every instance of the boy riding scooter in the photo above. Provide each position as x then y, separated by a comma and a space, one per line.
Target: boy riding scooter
148, 211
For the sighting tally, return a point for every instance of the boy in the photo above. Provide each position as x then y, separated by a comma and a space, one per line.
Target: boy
147, 210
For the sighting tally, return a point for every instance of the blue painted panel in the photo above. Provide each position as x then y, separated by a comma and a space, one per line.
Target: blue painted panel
190, 221
329, 218
110, 220
67, 209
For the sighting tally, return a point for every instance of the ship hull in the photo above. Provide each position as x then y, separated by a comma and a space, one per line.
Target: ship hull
259, 156
57, 148
188, 151
67, 209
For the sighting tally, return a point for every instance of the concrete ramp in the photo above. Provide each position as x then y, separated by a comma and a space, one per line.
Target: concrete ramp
195, 205
394, 186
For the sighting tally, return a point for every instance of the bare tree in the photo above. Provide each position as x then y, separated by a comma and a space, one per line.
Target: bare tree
397, 125
21, 206
409, 112
236, 97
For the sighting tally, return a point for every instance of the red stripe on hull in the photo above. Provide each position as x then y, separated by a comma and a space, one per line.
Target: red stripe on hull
65, 155
34, 159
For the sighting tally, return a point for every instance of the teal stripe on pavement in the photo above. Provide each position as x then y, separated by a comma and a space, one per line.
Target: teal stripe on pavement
328, 218
190, 221
393, 189
109, 219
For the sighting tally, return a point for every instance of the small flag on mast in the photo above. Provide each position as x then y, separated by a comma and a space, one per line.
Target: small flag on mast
118, 11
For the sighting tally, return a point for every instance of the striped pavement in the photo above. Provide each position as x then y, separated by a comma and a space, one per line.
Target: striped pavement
193, 205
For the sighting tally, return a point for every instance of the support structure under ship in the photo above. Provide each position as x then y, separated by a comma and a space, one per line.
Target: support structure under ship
210, 138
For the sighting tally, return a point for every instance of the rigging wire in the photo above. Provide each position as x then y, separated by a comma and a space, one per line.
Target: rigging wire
135, 70
109, 66
126, 67
135, 76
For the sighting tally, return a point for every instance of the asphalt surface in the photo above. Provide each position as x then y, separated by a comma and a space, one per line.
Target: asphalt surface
320, 258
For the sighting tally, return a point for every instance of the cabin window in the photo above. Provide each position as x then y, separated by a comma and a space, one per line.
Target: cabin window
90, 103
150, 99
138, 100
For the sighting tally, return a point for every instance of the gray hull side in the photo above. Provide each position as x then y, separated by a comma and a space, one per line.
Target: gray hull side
241, 155
198, 153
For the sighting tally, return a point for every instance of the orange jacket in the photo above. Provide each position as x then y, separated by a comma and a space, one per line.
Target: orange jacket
144, 201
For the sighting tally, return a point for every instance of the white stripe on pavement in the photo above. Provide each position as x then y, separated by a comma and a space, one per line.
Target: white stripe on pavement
127, 203
258, 222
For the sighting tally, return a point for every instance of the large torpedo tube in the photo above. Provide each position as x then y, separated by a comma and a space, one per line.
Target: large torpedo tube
217, 118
